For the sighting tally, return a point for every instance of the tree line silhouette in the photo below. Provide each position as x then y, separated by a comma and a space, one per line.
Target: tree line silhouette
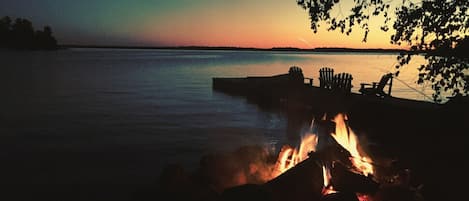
20, 34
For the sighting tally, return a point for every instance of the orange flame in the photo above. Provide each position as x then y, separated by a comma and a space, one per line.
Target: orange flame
348, 140
289, 156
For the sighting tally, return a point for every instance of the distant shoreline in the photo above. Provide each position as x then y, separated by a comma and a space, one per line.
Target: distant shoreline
289, 49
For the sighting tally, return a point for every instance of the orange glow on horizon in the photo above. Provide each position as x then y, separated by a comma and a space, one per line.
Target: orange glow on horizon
253, 24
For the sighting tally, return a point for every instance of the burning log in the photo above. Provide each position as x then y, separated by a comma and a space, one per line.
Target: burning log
345, 180
302, 182
334, 152
305, 180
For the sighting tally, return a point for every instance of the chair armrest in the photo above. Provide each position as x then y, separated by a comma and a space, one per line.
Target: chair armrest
310, 80
362, 85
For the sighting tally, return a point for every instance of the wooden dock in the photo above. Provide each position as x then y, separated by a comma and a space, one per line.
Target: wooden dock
387, 117
281, 89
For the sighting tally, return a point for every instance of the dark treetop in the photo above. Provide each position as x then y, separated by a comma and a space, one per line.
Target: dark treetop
20, 34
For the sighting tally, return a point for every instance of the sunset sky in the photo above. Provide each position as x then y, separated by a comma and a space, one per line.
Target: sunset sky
239, 23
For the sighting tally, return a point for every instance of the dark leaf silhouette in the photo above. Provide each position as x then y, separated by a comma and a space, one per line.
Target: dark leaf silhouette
437, 29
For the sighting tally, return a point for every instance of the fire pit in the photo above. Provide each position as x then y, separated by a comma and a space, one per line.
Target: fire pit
330, 163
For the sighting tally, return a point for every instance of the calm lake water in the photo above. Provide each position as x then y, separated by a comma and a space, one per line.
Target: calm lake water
99, 124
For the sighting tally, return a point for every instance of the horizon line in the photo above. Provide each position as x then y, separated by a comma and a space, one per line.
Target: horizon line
196, 47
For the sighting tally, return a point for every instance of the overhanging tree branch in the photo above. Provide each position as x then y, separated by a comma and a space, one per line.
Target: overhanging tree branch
437, 29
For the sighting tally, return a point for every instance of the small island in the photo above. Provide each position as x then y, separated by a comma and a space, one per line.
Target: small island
19, 34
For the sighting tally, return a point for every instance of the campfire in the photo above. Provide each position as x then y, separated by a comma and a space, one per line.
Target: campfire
330, 163
348, 171
343, 161
343, 135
